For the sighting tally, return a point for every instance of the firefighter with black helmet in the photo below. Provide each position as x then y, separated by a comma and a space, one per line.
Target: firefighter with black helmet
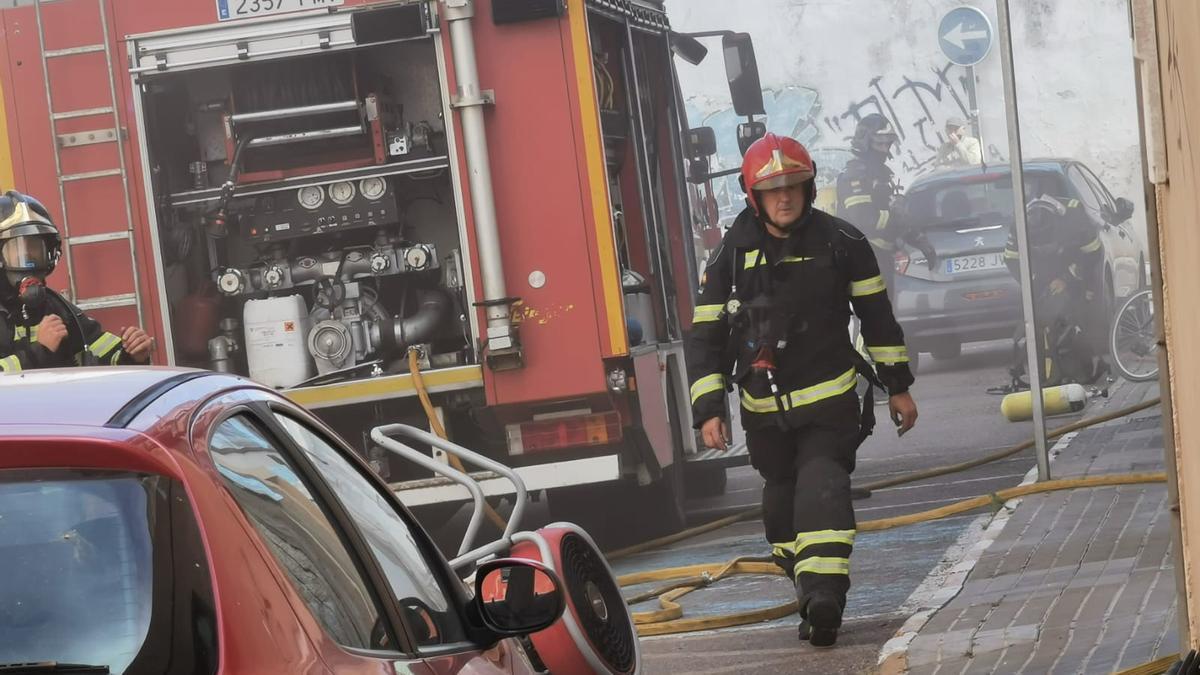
772, 318
866, 190
38, 327
1065, 256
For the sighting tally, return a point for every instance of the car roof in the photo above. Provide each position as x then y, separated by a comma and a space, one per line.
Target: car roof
89, 396
1045, 164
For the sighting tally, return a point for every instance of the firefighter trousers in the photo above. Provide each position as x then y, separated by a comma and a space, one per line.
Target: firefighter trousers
808, 514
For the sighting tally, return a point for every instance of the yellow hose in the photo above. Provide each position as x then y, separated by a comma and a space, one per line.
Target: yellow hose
668, 619
435, 425
755, 512
1157, 667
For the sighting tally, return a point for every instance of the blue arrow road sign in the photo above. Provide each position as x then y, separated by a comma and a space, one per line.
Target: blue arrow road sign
965, 35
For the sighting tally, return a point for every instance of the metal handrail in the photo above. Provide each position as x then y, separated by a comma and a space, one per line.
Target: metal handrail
381, 435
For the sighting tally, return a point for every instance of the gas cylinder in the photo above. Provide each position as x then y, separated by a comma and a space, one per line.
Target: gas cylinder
1061, 400
197, 318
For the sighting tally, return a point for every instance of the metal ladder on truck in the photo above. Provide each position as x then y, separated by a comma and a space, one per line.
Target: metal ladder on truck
62, 141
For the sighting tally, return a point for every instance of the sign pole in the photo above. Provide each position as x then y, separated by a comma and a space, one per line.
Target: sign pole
1033, 346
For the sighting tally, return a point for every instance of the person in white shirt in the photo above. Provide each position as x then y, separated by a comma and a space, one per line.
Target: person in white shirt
960, 148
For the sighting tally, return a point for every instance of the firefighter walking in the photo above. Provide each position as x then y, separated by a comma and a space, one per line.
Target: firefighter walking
772, 318
38, 328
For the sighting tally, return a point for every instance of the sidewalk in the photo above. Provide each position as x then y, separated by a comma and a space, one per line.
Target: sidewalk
1077, 581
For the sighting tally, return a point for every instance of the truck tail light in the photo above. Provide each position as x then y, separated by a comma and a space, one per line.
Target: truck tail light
902, 261
564, 432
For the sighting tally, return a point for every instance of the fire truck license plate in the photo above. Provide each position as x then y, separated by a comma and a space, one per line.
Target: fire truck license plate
230, 10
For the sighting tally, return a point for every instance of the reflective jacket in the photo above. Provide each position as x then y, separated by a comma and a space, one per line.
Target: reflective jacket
793, 296
864, 199
20, 349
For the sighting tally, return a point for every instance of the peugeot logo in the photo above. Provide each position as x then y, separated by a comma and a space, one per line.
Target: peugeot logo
979, 243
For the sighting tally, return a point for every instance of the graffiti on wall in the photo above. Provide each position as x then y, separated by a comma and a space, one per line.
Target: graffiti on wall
918, 103
918, 106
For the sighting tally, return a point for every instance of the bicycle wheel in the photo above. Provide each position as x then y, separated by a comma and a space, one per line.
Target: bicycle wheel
1133, 341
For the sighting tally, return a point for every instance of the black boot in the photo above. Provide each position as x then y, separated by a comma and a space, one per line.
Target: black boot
820, 619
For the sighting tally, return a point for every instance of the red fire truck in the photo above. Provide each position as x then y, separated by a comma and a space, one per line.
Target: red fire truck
303, 191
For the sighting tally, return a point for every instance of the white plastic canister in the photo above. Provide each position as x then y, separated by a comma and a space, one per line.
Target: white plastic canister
277, 341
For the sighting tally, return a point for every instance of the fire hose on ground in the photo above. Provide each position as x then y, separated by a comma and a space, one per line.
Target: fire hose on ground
684, 580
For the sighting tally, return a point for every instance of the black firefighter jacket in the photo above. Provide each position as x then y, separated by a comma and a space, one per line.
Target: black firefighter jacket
20, 349
793, 295
864, 198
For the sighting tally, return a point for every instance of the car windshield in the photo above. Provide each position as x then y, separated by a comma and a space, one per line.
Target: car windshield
981, 199
88, 572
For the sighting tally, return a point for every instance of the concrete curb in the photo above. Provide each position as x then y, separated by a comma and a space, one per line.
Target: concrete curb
946, 580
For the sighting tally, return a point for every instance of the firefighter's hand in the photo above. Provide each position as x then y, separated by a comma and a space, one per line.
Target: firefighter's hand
137, 344
716, 434
904, 412
51, 332
1057, 286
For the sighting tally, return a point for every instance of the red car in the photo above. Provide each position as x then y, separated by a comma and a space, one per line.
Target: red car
175, 521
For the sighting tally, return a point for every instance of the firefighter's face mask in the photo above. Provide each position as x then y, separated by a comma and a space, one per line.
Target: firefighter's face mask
883, 141
26, 255
27, 261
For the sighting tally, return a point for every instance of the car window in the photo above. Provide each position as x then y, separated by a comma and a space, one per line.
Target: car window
1085, 192
987, 199
104, 568
297, 529
1105, 197
426, 604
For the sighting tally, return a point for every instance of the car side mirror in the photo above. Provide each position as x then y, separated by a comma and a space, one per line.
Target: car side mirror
748, 132
1124, 210
741, 68
517, 597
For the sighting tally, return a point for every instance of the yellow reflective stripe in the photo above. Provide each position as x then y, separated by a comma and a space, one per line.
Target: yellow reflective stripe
1010, 254
104, 344
754, 259
884, 217
806, 539
1073, 203
825, 390
1092, 247
10, 364
115, 358
870, 286
20, 332
803, 397
794, 259
706, 313
707, 385
823, 566
783, 550
883, 244
889, 355
857, 200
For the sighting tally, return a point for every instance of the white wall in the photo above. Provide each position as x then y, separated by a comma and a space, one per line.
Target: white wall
825, 60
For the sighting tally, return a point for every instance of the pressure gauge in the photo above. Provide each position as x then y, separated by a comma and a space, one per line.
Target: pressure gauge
231, 281
380, 262
372, 188
417, 258
273, 277
311, 197
341, 193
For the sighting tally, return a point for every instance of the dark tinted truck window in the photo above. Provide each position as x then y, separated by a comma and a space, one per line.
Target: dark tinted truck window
103, 568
